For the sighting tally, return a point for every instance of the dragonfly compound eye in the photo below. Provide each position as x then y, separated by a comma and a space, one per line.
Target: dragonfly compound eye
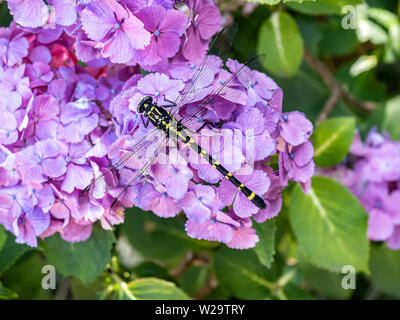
144, 103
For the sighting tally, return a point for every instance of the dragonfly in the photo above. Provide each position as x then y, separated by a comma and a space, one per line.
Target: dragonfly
168, 126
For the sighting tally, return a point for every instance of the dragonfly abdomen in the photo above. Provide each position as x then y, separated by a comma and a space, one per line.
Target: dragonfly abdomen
163, 121
258, 201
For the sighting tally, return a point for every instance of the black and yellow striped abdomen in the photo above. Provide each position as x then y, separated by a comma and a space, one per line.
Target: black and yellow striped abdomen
258, 201
162, 120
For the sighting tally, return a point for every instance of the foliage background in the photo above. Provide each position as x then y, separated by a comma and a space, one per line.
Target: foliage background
342, 79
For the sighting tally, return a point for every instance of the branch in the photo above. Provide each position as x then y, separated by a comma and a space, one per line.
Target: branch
338, 90
210, 284
329, 105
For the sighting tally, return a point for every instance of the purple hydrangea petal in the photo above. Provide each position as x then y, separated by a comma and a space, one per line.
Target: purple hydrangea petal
296, 129
209, 230
243, 238
380, 226
29, 13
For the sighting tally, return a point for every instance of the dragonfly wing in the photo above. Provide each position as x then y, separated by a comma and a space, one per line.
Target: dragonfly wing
197, 114
198, 86
131, 160
133, 178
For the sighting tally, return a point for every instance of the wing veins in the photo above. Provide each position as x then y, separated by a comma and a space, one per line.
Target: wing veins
202, 105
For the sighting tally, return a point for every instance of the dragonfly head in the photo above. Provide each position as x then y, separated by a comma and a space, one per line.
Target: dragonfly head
144, 103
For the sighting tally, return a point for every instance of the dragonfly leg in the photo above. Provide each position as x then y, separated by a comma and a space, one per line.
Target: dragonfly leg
206, 123
172, 104
181, 126
145, 123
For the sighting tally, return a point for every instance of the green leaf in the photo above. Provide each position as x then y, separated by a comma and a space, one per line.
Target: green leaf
193, 279
279, 38
3, 237
7, 293
370, 31
11, 252
155, 289
383, 17
269, 2
385, 269
156, 237
150, 269
85, 260
295, 293
327, 283
5, 16
86, 292
365, 86
322, 6
391, 118
218, 293
332, 140
25, 277
336, 41
305, 92
311, 35
241, 273
362, 64
274, 2
265, 248
330, 225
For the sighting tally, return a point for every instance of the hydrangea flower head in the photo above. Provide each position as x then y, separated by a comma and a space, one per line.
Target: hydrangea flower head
374, 177
69, 122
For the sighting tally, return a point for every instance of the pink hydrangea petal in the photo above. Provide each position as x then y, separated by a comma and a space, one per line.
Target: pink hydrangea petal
54, 167
150, 55
208, 230
97, 20
40, 53
303, 154
177, 186
134, 29
87, 124
118, 48
209, 21
75, 232
243, 207
168, 45
243, 238
226, 192
303, 174
78, 177
380, 226
29, 13
39, 220
173, 21
272, 210
65, 11
166, 208
297, 129
26, 235
194, 47
394, 240
150, 16
18, 49
198, 212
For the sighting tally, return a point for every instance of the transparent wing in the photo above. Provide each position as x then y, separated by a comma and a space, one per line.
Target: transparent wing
131, 160
242, 74
135, 177
196, 86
